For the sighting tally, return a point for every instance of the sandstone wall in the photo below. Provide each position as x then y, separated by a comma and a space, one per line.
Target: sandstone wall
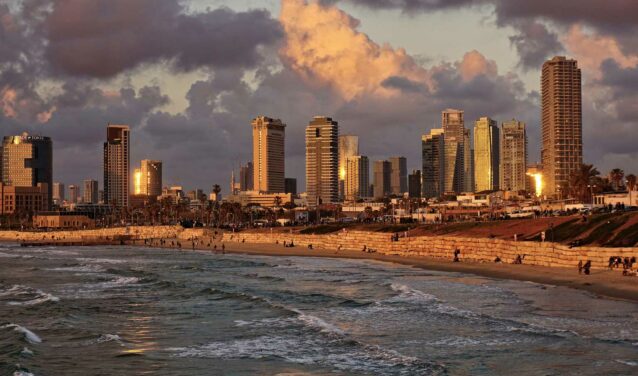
473, 249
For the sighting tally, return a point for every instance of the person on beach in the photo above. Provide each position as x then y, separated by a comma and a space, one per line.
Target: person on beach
497, 260
612, 259
223, 248
365, 249
587, 267
457, 252
580, 266
310, 246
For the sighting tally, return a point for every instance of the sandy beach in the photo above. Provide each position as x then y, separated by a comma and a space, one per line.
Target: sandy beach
608, 283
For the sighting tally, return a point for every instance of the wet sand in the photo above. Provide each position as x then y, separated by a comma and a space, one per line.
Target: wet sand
609, 283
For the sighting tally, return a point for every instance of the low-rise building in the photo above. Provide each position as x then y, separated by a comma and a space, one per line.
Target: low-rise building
267, 200
23, 199
68, 220
629, 198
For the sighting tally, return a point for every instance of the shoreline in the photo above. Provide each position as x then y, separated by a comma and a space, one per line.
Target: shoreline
601, 282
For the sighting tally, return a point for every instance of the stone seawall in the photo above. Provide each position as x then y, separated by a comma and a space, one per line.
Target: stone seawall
136, 232
472, 249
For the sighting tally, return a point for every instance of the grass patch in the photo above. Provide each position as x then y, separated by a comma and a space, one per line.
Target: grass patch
626, 238
603, 232
394, 228
322, 229
567, 230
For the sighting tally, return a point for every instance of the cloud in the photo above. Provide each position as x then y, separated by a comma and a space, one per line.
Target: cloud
323, 45
591, 50
104, 38
474, 64
534, 43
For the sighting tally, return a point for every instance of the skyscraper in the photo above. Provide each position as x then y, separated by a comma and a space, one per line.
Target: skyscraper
90, 192
433, 153
486, 155
322, 161
74, 193
562, 151
151, 178
246, 175
268, 155
453, 125
468, 163
291, 186
58, 192
513, 156
117, 165
398, 175
357, 177
348, 147
26, 161
382, 179
414, 184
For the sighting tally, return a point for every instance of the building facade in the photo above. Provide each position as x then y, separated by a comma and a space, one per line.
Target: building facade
117, 165
322, 161
348, 147
74, 194
468, 162
414, 184
291, 186
398, 175
433, 154
562, 130
59, 194
453, 125
27, 161
486, 155
90, 195
23, 200
269, 164
513, 156
246, 176
150, 178
382, 179
357, 177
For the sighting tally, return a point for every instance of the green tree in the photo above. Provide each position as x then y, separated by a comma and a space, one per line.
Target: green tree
581, 181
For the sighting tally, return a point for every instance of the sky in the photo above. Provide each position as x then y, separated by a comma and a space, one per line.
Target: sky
188, 76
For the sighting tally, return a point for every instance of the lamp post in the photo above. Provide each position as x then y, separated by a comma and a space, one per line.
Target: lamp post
591, 190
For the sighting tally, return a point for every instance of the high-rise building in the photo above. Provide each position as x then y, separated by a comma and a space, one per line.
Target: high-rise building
74, 194
414, 184
348, 147
486, 155
357, 177
58, 192
291, 186
468, 163
269, 162
26, 161
150, 178
398, 175
513, 156
562, 130
382, 179
91, 192
322, 161
117, 165
453, 125
433, 154
246, 176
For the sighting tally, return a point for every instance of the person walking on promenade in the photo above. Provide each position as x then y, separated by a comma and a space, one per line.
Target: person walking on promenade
457, 252
587, 267
580, 266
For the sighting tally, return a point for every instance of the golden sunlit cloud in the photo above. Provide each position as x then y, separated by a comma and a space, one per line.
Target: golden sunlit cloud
323, 45
8, 99
591, 50
475, 64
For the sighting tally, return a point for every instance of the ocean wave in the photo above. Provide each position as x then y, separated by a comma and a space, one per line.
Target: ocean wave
26, 351
100, 260
104, 338
92, 268
22, 373
28, 295
9, 255
410, 295
28, 335
336, 353
627, 362
117, 282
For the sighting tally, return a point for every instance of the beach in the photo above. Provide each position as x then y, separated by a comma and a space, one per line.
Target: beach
608, 283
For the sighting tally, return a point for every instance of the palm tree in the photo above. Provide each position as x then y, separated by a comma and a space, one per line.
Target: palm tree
616, 176
581, 181
631, 182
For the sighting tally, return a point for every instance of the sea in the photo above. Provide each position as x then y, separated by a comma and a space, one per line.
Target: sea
145, 311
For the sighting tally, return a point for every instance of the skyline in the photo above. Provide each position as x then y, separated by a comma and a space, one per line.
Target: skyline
401, 100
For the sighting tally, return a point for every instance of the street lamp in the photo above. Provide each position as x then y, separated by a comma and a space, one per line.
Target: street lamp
591, 190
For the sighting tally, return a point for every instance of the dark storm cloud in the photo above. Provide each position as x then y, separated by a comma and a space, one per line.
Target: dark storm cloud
103, 38
403, 84
534, 43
